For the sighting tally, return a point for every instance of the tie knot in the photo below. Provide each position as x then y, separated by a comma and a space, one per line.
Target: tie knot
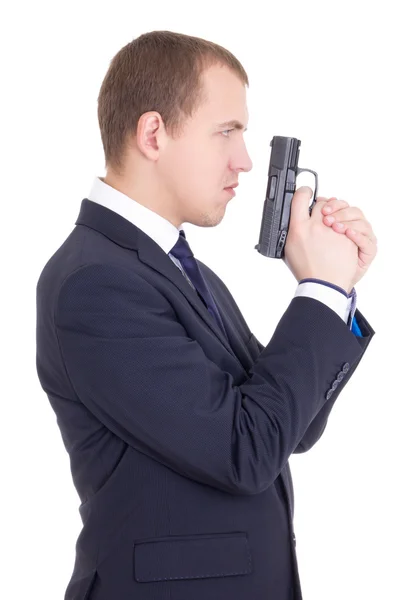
181, 248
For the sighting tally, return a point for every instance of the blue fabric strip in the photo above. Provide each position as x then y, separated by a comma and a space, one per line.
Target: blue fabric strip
355, 328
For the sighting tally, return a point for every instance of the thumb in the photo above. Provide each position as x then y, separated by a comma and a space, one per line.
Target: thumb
300, 203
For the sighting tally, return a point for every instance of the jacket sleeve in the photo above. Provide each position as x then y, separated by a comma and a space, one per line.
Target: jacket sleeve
131, 363
318, 424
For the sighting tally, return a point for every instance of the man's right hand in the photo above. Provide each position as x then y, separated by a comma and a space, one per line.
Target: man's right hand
314, 250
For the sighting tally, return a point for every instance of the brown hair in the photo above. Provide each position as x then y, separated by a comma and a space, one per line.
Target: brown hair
158, 71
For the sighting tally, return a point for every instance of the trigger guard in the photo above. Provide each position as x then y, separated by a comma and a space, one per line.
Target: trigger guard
316, 185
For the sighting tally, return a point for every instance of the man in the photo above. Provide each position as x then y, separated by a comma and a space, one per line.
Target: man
179, 423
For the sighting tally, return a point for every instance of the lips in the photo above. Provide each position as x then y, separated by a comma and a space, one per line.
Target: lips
230, 191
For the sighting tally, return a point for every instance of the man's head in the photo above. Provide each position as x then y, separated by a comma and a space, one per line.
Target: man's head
162, 108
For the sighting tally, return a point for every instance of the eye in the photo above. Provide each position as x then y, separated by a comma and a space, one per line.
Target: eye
227, 131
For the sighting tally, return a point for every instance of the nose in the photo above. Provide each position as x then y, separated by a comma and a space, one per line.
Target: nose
249, 163
242, 161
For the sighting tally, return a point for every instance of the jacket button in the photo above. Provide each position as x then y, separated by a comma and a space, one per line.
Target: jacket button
340, 376
335, 384
329, 394
345, 367
294, 539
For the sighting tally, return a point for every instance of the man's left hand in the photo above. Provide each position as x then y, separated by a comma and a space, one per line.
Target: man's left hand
350, 221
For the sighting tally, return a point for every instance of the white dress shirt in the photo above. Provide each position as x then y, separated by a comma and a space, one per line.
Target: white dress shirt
165, 234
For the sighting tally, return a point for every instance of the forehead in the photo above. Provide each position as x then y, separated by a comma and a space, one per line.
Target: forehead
225, 98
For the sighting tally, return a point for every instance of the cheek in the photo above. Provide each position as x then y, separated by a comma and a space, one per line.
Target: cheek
195, 168
200, 166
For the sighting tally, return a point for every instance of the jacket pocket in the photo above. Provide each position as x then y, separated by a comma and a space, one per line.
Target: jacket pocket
80, 589
192, 556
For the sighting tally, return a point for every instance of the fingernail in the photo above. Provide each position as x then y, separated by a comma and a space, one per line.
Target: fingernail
340, 225
330, 219
327, 209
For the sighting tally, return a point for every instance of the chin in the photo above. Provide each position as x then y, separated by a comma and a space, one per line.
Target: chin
207, 220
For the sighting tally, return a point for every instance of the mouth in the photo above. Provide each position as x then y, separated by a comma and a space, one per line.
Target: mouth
231, 188
230, 191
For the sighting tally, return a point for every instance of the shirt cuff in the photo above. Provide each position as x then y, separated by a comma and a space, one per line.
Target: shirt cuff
330, 294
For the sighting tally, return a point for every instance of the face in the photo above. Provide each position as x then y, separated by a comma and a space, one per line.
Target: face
190, 173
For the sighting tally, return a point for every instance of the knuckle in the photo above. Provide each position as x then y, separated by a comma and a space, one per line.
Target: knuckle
336, 204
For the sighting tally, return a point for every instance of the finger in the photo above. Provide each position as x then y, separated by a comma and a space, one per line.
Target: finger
299, 208
352, 213
333, 205
320, 202
360, 226
366, 248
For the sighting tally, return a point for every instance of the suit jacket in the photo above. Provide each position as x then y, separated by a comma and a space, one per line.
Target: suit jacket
178, 437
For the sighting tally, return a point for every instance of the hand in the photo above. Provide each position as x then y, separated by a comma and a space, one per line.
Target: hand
314, 250
351, 222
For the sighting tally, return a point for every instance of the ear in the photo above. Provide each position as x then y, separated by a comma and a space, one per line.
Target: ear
150, 135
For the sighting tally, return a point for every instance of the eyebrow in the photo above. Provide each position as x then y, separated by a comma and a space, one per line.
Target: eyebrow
235, 124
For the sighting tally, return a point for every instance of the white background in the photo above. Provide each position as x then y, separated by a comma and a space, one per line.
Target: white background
326, 73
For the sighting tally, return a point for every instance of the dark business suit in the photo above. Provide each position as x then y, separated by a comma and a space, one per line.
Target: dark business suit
179, 439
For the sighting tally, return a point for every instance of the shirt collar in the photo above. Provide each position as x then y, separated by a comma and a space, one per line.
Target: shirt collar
162, 231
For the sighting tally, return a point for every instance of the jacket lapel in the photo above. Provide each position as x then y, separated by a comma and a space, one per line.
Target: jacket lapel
126, 234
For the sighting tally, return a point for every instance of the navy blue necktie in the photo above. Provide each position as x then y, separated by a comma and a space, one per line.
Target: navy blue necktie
182, 251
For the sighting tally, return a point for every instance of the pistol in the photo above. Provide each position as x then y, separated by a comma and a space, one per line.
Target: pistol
281, 186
